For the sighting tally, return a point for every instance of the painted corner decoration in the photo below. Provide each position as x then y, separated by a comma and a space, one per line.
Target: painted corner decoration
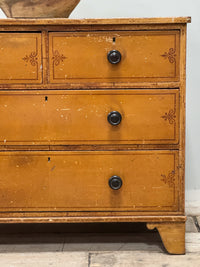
171, 55
169, 179
170, 116
32, 58
57, 58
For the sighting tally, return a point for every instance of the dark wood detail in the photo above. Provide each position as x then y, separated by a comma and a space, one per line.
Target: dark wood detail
32, 58
169, 179
57, 58
171, 55
170, 116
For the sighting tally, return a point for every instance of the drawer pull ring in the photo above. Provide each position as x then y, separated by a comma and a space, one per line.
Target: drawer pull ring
114, 118
114, 57
115, 182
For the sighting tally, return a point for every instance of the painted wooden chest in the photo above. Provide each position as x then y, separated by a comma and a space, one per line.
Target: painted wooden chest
93, 122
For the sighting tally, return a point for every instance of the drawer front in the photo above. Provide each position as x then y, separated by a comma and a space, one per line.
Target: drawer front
20, 58
81, 117
79, 181
145, 56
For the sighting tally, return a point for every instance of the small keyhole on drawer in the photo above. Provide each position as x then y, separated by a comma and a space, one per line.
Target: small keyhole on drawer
114, 39
49, 159
46, 98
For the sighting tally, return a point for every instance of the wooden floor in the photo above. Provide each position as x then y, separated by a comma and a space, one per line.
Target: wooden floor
55, 245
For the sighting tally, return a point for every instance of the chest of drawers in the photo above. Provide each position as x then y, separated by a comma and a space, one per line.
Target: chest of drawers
93, 122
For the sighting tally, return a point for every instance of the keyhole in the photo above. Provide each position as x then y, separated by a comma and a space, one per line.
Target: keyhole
114, 39
49, 159
46, 98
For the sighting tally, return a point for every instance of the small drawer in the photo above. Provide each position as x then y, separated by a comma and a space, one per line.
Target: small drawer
89, 181
101, 57
89, 117
20, 58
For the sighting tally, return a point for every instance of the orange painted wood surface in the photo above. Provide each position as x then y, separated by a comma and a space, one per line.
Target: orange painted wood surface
20, 58
80, 117
146, 56
79, 181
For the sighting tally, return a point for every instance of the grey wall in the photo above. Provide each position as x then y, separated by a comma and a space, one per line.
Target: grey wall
159, 8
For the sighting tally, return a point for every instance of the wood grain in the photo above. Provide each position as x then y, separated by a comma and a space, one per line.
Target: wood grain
92, 219
37, 8
123, 21
183, 37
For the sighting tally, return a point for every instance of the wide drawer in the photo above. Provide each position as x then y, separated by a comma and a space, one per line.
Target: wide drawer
83, 57
81, 117
79, 181
20, 58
